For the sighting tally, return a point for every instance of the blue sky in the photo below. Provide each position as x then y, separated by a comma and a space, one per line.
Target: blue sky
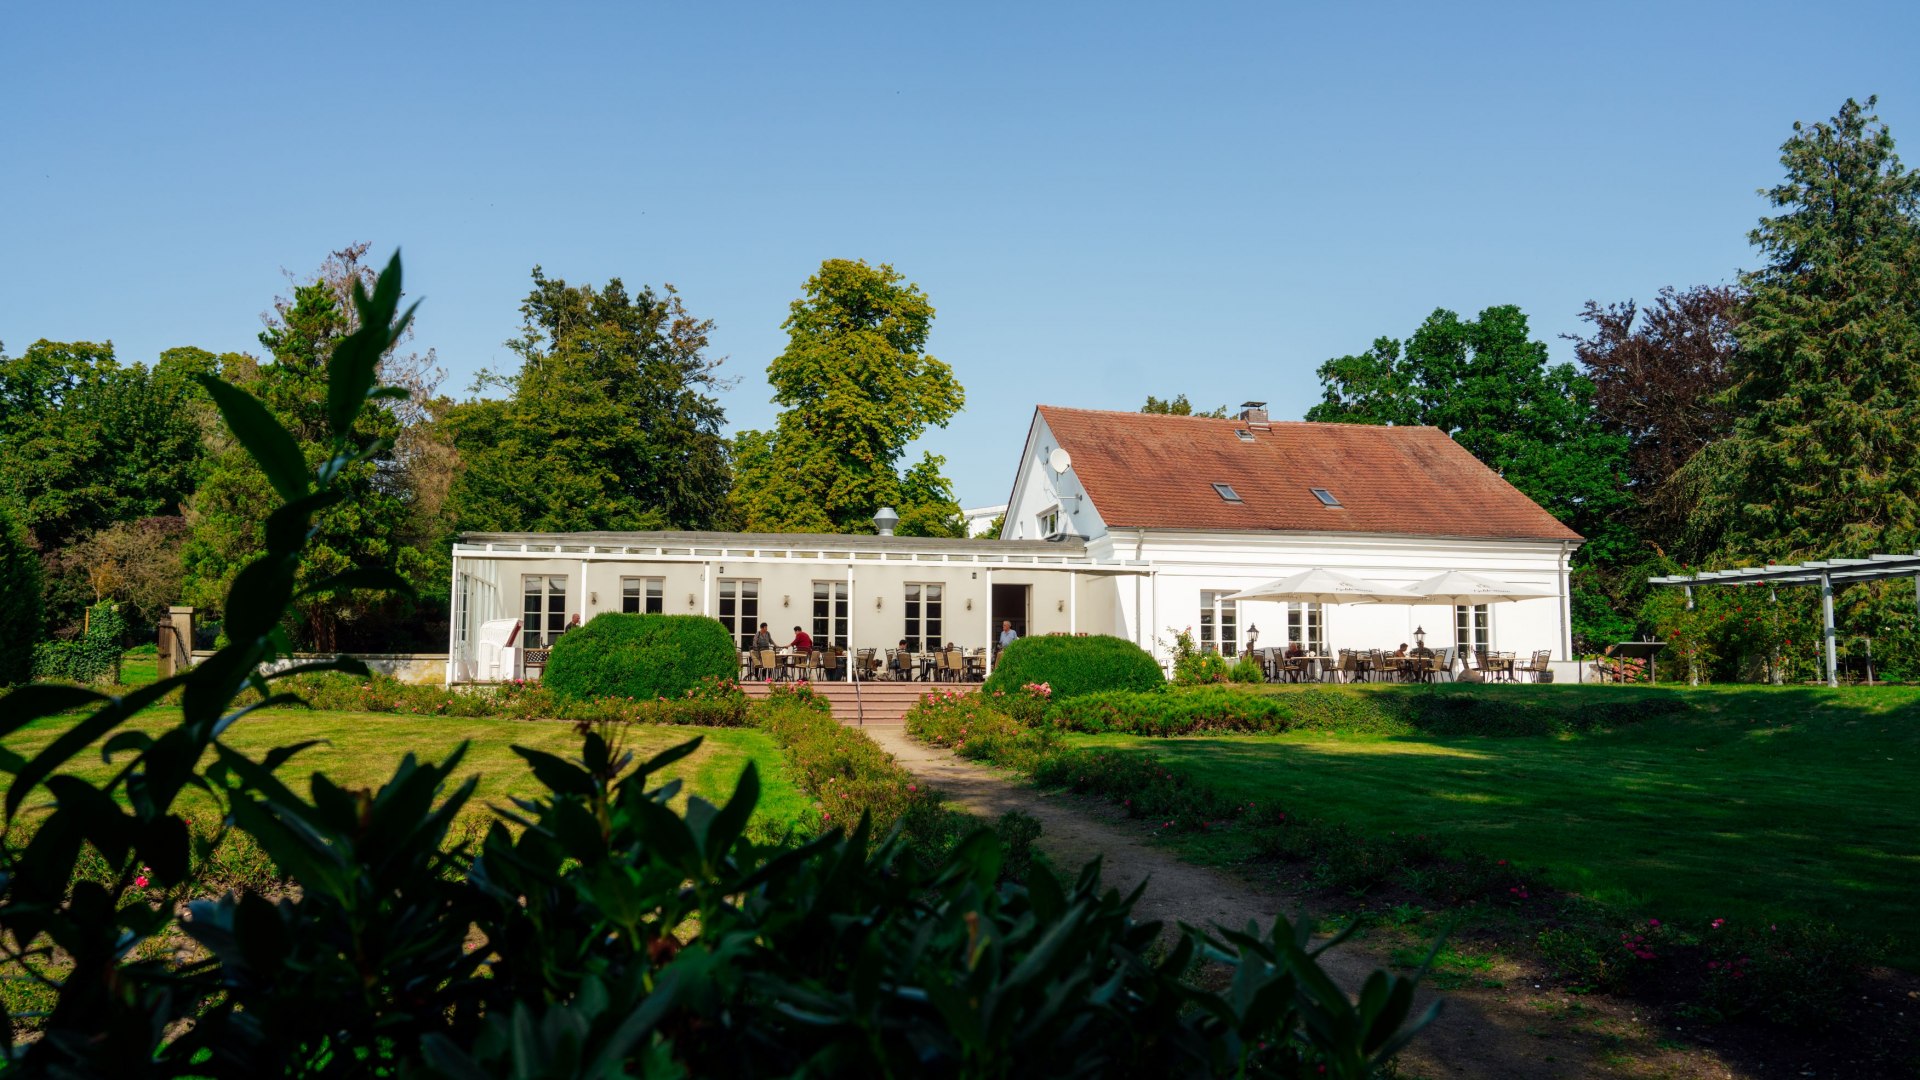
1102, 201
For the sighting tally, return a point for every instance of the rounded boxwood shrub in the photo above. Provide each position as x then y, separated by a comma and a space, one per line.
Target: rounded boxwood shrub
640, 656
1072, 666
19, 601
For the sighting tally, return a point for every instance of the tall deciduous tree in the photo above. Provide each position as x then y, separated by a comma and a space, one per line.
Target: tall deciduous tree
369, 529
86, 441
1488, 384
610, 422
857, 387
1823, 459
1660, 375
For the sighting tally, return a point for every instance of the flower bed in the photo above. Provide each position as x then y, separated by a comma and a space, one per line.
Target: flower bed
716, 703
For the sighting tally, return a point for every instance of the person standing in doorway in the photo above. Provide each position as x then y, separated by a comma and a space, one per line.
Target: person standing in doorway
1007, 633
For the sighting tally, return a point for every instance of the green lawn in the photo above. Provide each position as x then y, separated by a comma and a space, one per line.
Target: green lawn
363, 748
1761, 802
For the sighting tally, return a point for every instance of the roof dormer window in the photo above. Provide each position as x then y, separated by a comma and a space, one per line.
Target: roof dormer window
1225, 491
1326, 497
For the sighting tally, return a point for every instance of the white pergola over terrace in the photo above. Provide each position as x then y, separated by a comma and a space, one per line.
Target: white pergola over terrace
1826, 573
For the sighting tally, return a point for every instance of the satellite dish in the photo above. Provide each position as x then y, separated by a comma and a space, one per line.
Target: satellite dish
1060, 460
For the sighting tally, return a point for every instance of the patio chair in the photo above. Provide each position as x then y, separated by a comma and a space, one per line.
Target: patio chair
766, 664
866, 664
1538, 665
1442, 663
949, 665
1349, 667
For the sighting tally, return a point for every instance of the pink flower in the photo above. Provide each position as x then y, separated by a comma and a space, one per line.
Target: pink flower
1653, 922
913, 787
140, 882
1718, 923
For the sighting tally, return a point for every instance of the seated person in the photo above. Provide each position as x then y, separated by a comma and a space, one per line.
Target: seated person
1403, 649
1294, 649
802, 641
902, 661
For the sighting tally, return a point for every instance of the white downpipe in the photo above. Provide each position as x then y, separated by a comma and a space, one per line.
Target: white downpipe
1566, 602
453, 624
853, 653
1073, 602
1826, 626
582, 609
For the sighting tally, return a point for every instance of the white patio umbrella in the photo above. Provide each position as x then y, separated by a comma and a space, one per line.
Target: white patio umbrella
1319, 586
1457, 588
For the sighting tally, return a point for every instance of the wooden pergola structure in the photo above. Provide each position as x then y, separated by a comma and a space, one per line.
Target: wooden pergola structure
1828, 574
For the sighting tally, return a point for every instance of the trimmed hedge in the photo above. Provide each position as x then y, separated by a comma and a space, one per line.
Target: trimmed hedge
716, 703
20, 601
1072, 666
1179, 711
92, 657
616, 655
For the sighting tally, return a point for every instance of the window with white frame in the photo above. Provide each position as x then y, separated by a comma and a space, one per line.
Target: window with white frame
1219, 623
925, 607
740, 608
830, 613
1050, 523
543, 615
643, 595
1472, 628
1306, 624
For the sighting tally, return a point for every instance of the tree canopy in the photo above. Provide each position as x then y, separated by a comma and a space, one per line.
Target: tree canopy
1822, 458
610, 423
856, 387
1179, 406
368, 530
1488, 384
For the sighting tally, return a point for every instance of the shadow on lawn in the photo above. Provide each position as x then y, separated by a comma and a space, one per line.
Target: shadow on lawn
1753, 803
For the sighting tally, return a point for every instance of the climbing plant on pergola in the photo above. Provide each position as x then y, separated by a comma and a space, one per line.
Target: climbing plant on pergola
1828, 574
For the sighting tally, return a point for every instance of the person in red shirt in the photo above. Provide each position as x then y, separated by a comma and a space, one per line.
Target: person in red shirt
801, 641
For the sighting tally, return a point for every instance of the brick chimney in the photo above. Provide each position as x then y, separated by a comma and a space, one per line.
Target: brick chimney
1253, 412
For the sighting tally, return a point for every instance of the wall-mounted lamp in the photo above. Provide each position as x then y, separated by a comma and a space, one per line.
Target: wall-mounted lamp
876, 603
593, 599
969, 603
1059, 605
786, 601
690, 600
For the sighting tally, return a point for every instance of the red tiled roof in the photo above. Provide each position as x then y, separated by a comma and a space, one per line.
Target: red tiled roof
1145, 470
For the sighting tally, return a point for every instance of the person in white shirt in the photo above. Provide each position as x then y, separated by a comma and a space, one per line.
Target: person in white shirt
1007, 634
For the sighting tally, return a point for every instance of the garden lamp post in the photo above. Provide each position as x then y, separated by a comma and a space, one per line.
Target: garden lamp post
1419, 637
1253, 636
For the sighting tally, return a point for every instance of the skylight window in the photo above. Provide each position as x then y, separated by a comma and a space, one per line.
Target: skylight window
1326, 497
1226, 492
1245, 435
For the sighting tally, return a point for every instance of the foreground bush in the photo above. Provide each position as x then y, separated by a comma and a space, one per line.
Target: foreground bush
617, 655
1071, 666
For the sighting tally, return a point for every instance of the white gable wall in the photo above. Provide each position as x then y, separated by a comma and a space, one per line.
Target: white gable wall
1037, 489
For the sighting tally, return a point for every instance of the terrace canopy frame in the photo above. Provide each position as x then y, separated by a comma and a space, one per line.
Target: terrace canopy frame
1826, 573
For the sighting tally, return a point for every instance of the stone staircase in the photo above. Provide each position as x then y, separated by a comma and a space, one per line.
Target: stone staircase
883, 704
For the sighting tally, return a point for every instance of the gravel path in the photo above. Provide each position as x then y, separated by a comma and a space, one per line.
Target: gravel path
1479, 1034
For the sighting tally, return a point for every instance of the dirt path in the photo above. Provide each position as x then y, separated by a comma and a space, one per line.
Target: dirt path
1508, 1033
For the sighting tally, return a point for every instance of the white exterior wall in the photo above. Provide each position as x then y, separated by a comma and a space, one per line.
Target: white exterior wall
1185, 564
1060, 600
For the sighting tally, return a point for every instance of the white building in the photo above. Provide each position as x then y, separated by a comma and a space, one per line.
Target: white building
1121, 523
1218, 506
